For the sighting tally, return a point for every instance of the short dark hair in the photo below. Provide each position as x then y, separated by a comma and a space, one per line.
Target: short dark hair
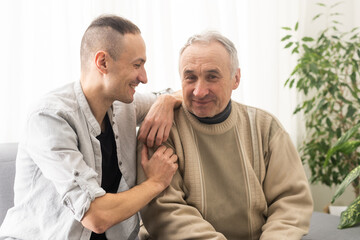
117, 23
101, 35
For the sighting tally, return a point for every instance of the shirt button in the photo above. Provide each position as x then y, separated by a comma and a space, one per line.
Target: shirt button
113, 122
120, 163
116, 137
76, 173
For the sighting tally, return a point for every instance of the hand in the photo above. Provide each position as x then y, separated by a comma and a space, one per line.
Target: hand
161, 167
156, 126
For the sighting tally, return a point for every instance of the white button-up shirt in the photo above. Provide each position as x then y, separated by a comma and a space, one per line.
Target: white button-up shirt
58, 166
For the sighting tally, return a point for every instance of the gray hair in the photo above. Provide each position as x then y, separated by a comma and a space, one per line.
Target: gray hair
211, 36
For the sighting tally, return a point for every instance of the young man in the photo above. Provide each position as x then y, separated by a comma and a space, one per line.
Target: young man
239, 175
75, 169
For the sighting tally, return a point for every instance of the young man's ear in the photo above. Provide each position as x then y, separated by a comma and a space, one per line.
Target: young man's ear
101, 62
237, 78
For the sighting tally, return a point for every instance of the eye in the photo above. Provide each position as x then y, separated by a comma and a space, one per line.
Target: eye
190, 78
212, 77
137, 66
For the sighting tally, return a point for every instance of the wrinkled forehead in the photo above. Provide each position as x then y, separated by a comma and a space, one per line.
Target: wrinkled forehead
211, 55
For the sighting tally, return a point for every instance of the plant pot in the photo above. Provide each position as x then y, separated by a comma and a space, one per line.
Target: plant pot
336, 210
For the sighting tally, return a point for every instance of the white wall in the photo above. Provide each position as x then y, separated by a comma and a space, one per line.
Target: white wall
40, 42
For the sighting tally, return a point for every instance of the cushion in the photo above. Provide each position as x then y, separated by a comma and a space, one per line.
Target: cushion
7, 174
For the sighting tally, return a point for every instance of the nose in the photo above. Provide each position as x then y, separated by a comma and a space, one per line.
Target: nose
142, 76
200, 89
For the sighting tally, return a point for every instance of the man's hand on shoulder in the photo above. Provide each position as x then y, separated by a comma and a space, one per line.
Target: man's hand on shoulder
156, 126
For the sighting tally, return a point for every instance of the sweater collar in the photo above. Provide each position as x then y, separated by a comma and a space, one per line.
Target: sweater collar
218, 118
218, 128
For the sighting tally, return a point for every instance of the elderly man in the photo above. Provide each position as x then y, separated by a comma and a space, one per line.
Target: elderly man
75, 169
239, 175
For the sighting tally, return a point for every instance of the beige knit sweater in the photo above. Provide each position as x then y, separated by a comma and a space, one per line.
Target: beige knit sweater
239, 179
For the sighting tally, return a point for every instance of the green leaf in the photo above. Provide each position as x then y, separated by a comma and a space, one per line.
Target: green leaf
307, 39
296, 26
295, 50
338, 132
350, 112
306, 48
288, 45
355, 64
335, 14
341, 143
356, 36
335, 4
351, 215
317, 16
321, 4
298, 109
358, 53
286, 28
286, 38
313, 68
328, 122
349, 178
286, 82
291, 83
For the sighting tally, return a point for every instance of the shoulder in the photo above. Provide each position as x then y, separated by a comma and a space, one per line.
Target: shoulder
61, 101
62, 98
144, 98
265, 121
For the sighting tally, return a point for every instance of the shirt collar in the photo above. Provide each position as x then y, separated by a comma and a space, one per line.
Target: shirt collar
84, 105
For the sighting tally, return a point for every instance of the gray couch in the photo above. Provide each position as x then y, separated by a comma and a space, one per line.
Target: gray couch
7, 174
323, 226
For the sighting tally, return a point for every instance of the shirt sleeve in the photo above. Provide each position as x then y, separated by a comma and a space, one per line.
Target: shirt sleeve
287, 191
53, 146
143, 102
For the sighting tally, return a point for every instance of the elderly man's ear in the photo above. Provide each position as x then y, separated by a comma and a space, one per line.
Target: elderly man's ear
237, 79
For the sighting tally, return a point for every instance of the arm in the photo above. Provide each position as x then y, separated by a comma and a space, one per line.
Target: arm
54, 148
110, 209
169, 216
287, 192
157, 123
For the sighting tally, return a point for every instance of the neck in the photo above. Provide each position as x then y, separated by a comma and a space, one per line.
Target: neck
218, 118
96, 99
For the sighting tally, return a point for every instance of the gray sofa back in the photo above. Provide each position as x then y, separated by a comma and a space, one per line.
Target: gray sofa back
8, 153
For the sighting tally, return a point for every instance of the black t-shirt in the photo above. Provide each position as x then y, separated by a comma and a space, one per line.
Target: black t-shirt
111, 174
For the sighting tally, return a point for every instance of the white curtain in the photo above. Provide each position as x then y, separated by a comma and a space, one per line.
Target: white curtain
40, 41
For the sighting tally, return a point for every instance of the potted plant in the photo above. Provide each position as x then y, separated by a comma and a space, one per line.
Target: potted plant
347, 145
327, 75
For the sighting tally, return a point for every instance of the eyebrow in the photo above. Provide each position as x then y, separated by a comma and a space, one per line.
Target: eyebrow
213, 71
208, 71
189, 71
139, 59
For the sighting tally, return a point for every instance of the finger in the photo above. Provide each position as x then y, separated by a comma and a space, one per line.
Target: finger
159, 136
161, 149
168, 152
166, 132
144, 154
151, 137
143, 132
174, 158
